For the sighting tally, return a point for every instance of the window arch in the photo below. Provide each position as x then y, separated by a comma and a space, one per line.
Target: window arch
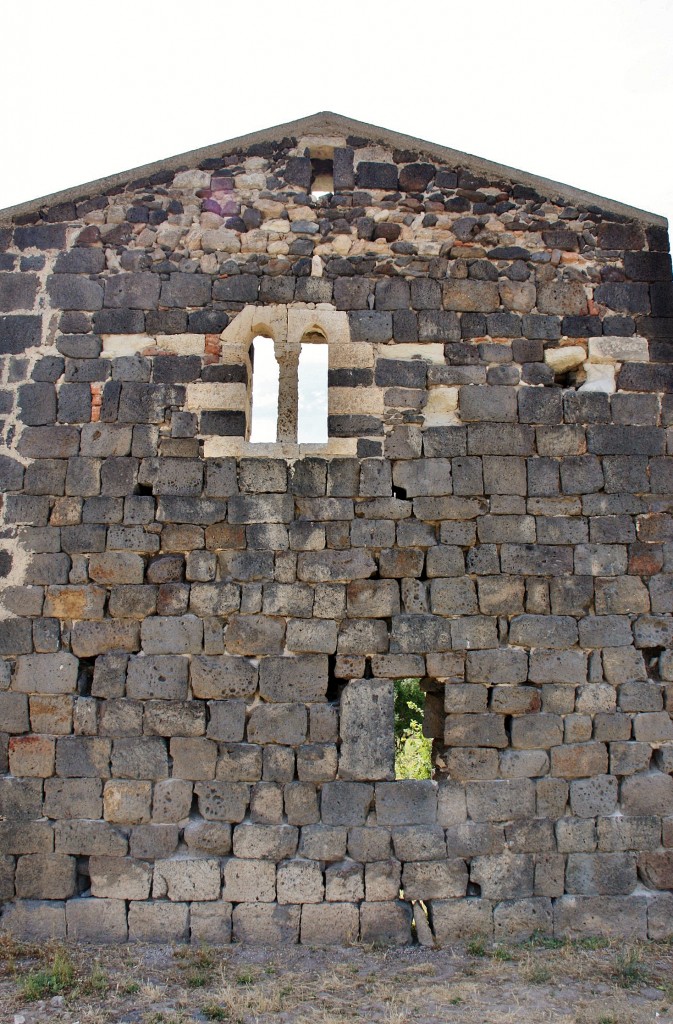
287, 351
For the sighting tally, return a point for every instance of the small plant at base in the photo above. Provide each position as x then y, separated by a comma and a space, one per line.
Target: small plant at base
52, 981
543, 941
97, 983
196, 979
130, 988
629, 970
476, 947
538, 975
214, 1012
590, 942
245, 978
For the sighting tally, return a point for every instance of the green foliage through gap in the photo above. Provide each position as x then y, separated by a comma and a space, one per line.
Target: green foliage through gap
413, 752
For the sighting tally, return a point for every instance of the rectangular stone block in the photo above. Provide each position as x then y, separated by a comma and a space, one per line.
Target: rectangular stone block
187, 879
266, 924
158, 922
300, 678
367, 713
388, 924
615, 917
210, 923
46, 673
34, 920
456, 920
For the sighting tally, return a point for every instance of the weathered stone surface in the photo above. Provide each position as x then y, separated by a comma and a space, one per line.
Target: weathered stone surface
367, 749
35, 920
187, 879
266, 924
158, 922
619, 917
96, 921
386, 923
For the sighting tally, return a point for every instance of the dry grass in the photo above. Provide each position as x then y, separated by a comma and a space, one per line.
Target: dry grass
579, 983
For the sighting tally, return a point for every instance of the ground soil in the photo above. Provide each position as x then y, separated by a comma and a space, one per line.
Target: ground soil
479, 983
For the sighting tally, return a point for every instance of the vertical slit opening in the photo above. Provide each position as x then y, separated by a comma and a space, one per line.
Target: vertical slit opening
322, 178
264, 391
413, 751
312, 421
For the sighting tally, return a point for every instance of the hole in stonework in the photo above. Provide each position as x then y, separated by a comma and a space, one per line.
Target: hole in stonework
85, 676
322, 177
334, 685
413, 751
651, 656
473, 889
144, 489
399, 492
265, 378
312, 384
83, 877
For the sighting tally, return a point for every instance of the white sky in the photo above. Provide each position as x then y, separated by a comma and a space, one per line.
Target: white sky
312, 424
580, 91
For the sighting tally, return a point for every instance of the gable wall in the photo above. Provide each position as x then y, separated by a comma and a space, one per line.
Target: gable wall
492, 513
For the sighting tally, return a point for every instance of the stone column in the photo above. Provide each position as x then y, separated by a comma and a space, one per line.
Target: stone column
288, 390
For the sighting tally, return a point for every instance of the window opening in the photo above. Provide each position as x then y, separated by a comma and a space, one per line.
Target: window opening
312, 411
264, 391
322, 177
413, 751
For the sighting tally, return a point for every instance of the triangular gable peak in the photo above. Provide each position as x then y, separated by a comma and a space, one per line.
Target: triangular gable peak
317, 135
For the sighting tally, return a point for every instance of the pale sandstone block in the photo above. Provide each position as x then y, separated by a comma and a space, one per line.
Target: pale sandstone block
300, 881
158, 922
187, 879
34, 920
249, 881
266, 924
328, 924
96, 921
120, 878
210, 923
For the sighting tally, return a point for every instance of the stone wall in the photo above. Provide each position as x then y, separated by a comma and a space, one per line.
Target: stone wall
199, 636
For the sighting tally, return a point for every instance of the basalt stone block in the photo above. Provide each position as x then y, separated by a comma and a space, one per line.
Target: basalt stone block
132, 291
17, 333
17, 291
370, 174
392, 293
471, 296
240, 288
37, 404
40, 236
72, 291
186, 290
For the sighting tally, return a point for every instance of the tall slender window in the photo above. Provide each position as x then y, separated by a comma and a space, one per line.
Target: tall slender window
312, 423
264, 391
